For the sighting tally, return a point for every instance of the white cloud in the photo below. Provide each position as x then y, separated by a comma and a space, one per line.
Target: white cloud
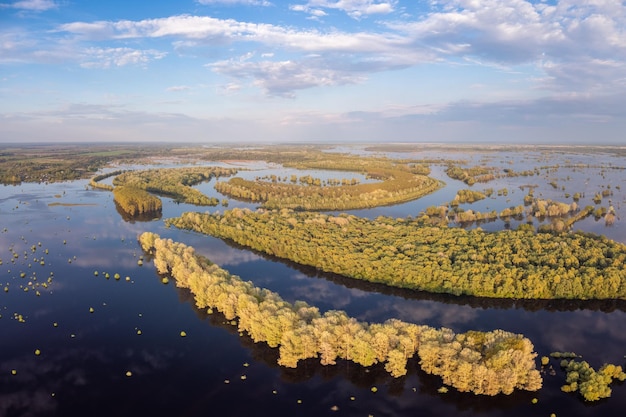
297, 8
354, 8
318, 13
32, 5
577, 46
282, 78
569, 41
117, 57
502, 30
204, 27
185, 26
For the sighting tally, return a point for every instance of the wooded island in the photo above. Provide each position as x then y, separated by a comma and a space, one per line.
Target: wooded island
408, 254
486, 363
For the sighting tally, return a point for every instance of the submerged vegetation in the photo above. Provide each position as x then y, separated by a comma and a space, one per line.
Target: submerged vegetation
480, 362
408, 254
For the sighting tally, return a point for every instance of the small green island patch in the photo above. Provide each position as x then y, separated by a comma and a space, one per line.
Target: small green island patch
135, 201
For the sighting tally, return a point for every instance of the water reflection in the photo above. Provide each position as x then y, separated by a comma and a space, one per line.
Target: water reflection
140, 217
185, 376
347, 386
361, 378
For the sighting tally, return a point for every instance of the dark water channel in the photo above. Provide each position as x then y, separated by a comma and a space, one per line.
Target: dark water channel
114, 346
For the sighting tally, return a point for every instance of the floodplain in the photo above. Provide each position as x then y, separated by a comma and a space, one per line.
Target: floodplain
91, 327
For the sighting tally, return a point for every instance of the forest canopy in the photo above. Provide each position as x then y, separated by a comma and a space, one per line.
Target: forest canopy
486, 363
407, 253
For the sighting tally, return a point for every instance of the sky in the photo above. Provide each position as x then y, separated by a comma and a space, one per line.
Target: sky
267, 71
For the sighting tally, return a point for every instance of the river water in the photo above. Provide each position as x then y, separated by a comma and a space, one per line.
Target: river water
110, 346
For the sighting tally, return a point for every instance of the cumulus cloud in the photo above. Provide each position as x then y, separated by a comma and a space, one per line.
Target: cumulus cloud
283, 78
569, 40
321, 58
573, 46
511, 31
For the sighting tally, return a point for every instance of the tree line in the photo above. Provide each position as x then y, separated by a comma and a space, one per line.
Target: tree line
409, 253
486, 363
94, 182
54, 163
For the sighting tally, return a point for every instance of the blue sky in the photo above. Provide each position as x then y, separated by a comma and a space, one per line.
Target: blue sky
221, 71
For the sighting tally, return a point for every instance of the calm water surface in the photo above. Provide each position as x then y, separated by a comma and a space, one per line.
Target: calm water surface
91, 331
